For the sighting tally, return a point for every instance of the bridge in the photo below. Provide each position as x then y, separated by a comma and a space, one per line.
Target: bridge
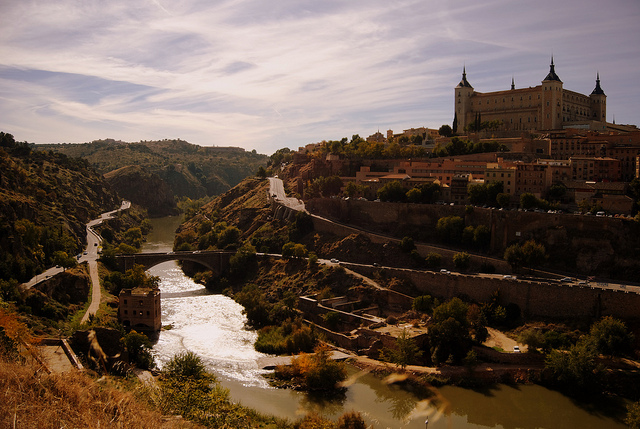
216, 261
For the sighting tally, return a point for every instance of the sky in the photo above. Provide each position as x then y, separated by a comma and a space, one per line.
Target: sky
266, 75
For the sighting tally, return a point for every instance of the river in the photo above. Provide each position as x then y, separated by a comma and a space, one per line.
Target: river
212, 326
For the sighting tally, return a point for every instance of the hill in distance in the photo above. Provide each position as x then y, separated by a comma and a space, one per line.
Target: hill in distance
185, 169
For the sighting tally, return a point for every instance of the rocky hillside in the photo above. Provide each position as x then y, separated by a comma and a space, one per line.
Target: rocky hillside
147, 189
187, 169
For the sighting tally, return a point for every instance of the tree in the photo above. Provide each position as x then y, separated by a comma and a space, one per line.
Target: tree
482, 236
261, 173
139, 348
244, 258
534, 254
576, 369
407, 244
61, 258
611, 337
462, 260
229, 237
433, 260
449, 336
477, 193
503, 199
288, 249
405, 351
445, 131
514, 256
392, 191
450, 228
528, 201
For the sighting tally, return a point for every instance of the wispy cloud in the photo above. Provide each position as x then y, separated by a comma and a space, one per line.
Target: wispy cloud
266, 75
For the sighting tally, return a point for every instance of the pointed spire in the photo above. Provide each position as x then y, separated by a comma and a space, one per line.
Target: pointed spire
464, 83
597, 90
552, 73
513, 83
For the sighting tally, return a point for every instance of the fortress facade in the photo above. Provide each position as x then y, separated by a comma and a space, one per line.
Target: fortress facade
544, 107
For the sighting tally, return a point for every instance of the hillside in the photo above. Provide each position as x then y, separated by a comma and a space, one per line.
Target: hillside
45, 201
143, 187
188, 170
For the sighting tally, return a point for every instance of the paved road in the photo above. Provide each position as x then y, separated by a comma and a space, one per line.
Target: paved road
91, 257
277, 191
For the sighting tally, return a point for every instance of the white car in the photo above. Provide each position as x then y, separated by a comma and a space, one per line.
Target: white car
334, 261
516, 349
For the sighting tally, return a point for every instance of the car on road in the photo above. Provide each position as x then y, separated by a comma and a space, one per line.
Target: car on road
516, 349
334, 261
566, 280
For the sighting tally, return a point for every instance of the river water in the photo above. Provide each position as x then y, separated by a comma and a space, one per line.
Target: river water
212, 326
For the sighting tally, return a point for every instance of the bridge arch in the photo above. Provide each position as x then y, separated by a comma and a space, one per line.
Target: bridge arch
216, 261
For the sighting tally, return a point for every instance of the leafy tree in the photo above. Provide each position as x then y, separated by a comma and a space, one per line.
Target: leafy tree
556, 192
503, 199
414, 195
139, 348
576, 369
243, 260
61, 258
450, 228
514, 256
433, 260
229, 237
534, 339
528, 200
611, 337
449, 335
534, 254
407, 244
392, 191
445, 131
288, 250
477, 193
261, 173
482, 236
462, 260
423, 303
405, 351
256, 306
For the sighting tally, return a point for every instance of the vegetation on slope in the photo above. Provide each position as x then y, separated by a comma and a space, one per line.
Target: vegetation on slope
45, 201
189, 170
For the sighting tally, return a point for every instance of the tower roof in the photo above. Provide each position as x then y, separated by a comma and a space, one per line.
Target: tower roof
552, 73
464, 83
597, 90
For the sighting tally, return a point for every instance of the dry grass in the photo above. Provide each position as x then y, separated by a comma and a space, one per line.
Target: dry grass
30, 398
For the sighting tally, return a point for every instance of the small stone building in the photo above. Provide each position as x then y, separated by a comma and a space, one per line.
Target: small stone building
139, 309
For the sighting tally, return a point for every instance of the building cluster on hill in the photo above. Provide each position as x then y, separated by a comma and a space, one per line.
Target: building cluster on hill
553, 136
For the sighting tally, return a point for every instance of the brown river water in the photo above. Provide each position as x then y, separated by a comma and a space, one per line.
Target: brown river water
213, 326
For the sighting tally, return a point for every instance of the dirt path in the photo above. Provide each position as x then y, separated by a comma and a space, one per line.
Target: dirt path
498, 339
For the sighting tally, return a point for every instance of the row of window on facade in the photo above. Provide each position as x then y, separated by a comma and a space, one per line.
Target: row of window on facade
137, 313
140, 302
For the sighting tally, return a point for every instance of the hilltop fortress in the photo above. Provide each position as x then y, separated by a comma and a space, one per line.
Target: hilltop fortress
544, 107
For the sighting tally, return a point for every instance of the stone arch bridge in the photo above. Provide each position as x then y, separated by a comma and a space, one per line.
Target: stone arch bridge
216, 261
